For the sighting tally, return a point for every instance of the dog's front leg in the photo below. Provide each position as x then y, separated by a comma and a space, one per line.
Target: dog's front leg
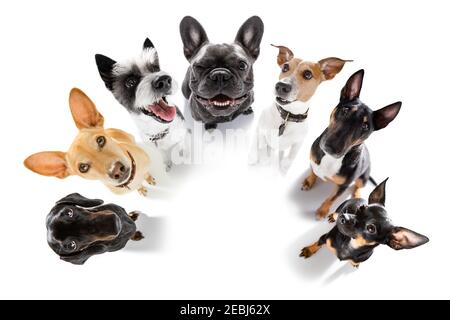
322, 212
286, 161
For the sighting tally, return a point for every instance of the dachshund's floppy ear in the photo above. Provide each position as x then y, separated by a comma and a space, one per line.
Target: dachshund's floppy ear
82, 256
79, 200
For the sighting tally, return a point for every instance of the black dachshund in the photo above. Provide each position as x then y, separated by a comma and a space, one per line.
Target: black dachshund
78, 228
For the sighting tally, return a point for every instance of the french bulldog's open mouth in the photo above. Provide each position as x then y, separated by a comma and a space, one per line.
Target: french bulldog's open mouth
161, 111
282, 101
221, 101
132, 173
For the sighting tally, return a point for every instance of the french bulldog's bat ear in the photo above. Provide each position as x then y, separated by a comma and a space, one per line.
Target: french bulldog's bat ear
250, 35
79, 200
48, 163
193, 36
382, 117
402, 238
352, 88
330, 67
378, 195
105, 67
83, 110
284, 54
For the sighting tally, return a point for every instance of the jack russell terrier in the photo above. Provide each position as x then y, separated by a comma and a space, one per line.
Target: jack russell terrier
109, 155
144, 90
283, 127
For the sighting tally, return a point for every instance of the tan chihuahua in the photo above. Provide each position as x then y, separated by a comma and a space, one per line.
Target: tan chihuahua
109, 155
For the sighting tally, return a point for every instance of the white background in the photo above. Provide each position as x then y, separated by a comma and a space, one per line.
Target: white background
224, 230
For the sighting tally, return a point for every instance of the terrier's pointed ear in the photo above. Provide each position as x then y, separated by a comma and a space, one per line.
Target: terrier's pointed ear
105, 67
378, 195
384, 116
330, 67
352, 88
284, 54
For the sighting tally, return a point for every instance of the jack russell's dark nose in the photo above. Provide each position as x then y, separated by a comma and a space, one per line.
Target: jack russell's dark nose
118, 171
220, 75
162, 83
283, 88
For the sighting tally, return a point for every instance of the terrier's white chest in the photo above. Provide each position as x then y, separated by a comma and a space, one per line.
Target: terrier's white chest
328, 167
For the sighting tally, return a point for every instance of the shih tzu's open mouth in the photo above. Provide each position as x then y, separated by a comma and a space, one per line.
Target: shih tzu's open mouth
221, 101
161, 111
282, 101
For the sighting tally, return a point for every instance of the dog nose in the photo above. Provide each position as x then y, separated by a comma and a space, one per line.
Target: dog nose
348, 219
283, 88
220, 75
118, 171
162, 83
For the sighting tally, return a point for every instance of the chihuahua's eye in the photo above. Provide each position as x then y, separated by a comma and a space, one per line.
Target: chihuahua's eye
371, 228
307, 75
243, 66
342, 220
69, 213
131, 82
285, 67
72, 245
365, 126
84, 167
101, 141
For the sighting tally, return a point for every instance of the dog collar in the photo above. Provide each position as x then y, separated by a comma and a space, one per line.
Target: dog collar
161, 135
289, 117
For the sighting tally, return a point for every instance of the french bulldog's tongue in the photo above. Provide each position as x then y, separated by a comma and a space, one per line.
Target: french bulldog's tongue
163, 110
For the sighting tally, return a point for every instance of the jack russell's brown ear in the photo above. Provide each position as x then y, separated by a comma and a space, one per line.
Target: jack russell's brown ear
83, 110
48, 163
284, 54
330, 67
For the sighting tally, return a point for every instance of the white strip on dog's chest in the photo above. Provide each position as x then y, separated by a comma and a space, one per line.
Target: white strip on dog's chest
328, 167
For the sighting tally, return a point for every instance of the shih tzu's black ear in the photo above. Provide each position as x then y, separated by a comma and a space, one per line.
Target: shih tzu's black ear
79, 200
105, 67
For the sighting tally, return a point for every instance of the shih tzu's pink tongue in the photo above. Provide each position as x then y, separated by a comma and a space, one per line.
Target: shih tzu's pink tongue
163, 110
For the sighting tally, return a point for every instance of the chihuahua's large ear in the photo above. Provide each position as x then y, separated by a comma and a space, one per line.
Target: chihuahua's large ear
48, 163
83, 110
330, 67
382, 117
79, 200
250, 35
284, 54
402, 238
105, 67
378, 195
352, 88
193, 36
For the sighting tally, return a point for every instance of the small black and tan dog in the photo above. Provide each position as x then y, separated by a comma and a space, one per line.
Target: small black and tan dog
78, 228
361, 226
339, 155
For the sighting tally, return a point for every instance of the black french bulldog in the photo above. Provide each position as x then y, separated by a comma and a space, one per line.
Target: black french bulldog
362, 226
219, 80
78, 228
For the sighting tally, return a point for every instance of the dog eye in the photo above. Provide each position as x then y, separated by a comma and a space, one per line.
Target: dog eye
130, 82
307, 75
84, 167
285, 67
69, 213
72, 245
371, 228
101, 141
345, 111
365, 126
242, 66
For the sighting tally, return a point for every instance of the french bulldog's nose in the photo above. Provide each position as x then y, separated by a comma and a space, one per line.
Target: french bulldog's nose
118, 171
283, 88
162, 83
220, 75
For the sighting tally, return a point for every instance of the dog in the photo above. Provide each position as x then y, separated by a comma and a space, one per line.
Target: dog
283, 126
78, 228
144, 90
339, 155
219, 81
109, 155
362, 226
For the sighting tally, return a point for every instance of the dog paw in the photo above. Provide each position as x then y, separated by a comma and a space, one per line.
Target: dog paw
210, 126
143, 191
137, 236
306, 185
150, 180
354, 264
321, 213
134, 215
332, 218
306, 253
248, 111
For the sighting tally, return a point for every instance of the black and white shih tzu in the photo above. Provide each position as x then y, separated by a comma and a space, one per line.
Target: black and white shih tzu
144, 90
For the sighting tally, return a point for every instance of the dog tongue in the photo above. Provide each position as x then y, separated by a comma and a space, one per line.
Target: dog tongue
163, 110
